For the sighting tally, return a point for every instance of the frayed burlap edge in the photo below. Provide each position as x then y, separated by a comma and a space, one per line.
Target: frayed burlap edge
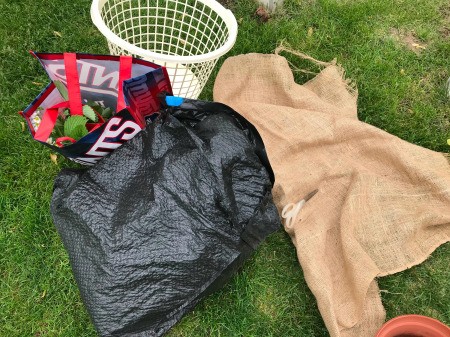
285, 47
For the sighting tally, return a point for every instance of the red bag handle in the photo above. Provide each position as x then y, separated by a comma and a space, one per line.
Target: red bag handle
73, 84
73, 87
126, 63
59, 141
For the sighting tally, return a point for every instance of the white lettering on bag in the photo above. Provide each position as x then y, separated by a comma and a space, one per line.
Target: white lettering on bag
90, 74
128, 128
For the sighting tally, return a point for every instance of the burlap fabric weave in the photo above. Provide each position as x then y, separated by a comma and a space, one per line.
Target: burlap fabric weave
383, 204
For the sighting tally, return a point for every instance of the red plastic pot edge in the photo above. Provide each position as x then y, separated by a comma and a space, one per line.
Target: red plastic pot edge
413, 321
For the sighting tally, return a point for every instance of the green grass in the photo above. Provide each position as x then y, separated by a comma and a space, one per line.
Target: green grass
399, 91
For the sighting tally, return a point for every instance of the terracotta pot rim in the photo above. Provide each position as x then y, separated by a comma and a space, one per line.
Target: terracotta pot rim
417, 320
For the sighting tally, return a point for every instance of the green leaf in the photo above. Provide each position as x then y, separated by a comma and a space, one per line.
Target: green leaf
92, 104
78, 132
89, 113
62, 89
107, 113
75, 127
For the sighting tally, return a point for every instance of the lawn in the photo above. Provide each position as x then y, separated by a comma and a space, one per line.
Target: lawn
397, 51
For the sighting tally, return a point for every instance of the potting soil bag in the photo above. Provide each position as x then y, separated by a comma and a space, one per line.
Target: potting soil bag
165, 219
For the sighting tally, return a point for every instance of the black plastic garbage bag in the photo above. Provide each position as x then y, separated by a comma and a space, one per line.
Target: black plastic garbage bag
165, 219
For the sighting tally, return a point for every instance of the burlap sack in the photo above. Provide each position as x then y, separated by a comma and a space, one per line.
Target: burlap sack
383, 204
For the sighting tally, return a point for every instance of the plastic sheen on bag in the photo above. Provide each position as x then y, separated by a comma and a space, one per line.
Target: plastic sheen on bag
167, 218
128, 85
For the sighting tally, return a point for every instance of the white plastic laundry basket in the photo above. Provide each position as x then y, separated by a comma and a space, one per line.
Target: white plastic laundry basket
186, 36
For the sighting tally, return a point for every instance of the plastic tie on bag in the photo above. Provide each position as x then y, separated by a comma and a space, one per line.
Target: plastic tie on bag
174, 100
